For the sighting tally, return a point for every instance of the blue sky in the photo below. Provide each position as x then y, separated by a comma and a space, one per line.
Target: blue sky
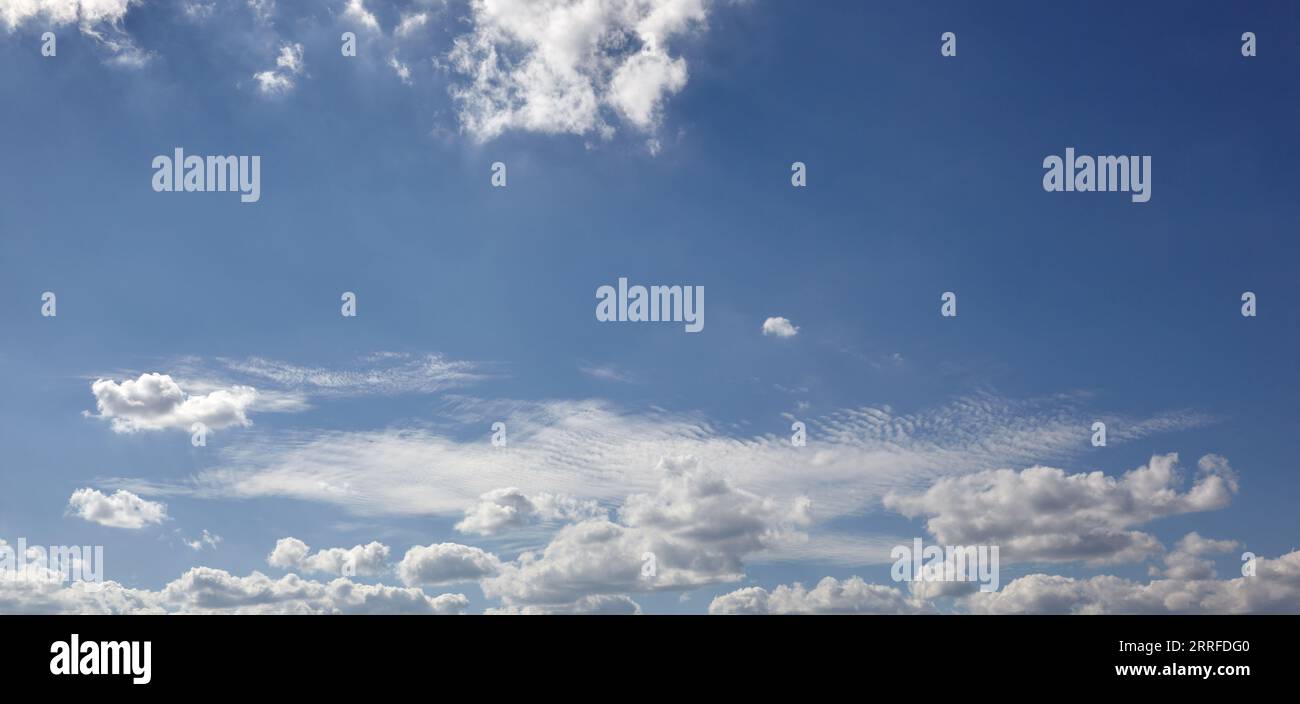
475, 304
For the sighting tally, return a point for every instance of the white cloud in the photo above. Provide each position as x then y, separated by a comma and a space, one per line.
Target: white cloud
98, 19
1275, 588
120, 510
204, 590
289, 63
779, 327
383, 373
446, 563
604, 604
206, 540
402, 70
411, 23
156, 402
598, 451
509, 508
607, 372
198, 11
363, 560
830, 596
208, 590
564, 66
263, 10
1045, 514
355, 11
1188, 558
87, 13
698, 526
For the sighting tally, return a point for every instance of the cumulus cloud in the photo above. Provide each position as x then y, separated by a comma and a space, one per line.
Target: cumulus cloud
446, 563
365, 560
1045, 514
779, 327
156, 402
1275, 588
830, 596
697, 526
38, 589
120, 510
1188, 558
282, 78
568, 66
601, 604
509, 508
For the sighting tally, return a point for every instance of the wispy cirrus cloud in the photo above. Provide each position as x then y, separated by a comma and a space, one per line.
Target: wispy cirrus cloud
388, 373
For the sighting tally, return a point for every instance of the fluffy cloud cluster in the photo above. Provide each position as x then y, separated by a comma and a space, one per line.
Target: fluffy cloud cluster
1188, 558
510, 508
363, 560
1274, 588
1045, 514
122, 509
697, 527
156, 402
446, 563
830, 596
563, 66
204, 590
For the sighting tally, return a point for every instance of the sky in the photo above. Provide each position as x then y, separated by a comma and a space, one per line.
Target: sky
349, 462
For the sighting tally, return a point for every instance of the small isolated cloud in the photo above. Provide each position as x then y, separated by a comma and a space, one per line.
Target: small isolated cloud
446, 563
120, 510
402, 70
365, 560
779, 327
156, 402
282, 78
208, 540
